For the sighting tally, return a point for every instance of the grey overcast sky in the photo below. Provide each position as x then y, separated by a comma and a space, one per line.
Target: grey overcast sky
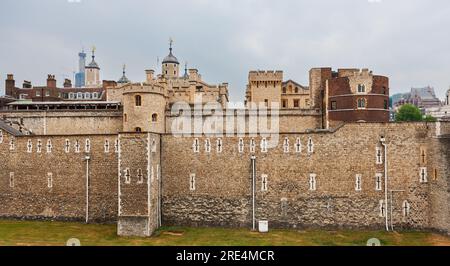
407, 40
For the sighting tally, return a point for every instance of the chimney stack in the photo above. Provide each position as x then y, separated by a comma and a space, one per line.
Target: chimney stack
150, 75
67, 83
51, 81
10, 86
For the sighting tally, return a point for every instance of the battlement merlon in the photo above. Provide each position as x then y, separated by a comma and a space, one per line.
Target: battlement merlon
269, 75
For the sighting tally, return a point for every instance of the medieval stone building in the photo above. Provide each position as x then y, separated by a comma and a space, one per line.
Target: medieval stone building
336, 161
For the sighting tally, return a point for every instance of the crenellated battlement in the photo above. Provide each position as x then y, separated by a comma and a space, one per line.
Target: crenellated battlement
269, 75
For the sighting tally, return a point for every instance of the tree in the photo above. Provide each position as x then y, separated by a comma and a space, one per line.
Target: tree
430, 118
408, 113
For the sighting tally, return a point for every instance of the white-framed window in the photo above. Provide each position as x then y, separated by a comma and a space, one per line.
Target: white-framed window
379, 155
361, 88
49, 180
219, 145
77, 146
106, 146
378, 181
298, 145
11, 179
87, 95
252, 146
264, 184
29, 146
95, 95
49, 146
1, 136
80, 95
358, 182
127, 176
140, 176
263, 145
39, 146
312, 182
38, 93
241, 145
71, 95
406, 207
116, 146
192, 182
310, 145
196, 146
67, 146
207, 145
286, 145
382, 208
153, 145
87, 146
423, 175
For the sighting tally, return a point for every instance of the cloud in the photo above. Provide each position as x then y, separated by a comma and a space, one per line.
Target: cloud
406, 40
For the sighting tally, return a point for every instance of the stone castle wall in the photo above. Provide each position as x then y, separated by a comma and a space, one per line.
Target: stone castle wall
62, 122
24, 178
214, 188
222, 194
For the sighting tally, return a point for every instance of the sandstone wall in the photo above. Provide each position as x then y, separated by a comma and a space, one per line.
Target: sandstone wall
222, 194
31, 197
73, 122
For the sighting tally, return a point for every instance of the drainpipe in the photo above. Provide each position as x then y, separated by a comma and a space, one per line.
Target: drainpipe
87, 158
383, 142
253, 160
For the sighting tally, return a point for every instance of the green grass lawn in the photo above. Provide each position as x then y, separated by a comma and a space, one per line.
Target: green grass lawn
31, 233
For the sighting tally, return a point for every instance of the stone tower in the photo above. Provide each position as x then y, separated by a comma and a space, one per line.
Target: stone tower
144, 108
170, 65
93, 72
264, 87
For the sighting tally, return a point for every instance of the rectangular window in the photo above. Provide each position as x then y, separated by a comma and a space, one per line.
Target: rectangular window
50, 180
67, 146
12, 144
296, 103
106, 146
241, 145
207, 145
47, 93
192, 182
127, 176
140, 176
286, 145
29, 146
38, 93
196, 146
312, 182
382, 208
219, 145
116, 146
379, 155
252, 146
310, 146
378, 182
386, 105
39, 146
284, 103
264, 145
11, 179
49, 146
298, 145
423, 175
87, 147
264, 185
358, 185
